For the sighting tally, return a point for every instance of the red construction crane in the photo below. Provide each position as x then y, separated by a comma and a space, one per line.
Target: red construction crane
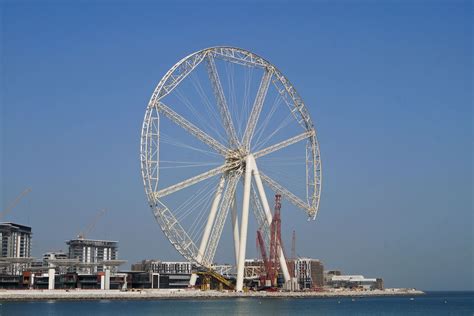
275, 241
272, 262
266, 263
293, 246
291, 266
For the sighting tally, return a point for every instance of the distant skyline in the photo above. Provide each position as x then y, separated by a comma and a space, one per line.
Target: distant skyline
388, 86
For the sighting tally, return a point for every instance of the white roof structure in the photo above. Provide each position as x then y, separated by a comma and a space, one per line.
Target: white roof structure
352, 278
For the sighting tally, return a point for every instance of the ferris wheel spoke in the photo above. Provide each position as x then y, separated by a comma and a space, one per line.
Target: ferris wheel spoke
191, 128
275, 186
196, 179
257, 107
221, 101
284, 144
221, 217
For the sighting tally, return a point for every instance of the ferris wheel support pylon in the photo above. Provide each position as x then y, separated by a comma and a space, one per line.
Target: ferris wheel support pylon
208, 228
244, 223
211, 218
235, 229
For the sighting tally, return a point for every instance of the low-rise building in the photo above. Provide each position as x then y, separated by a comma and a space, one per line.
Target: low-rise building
54, 255
355, 281
309, 273
164, 267
327, 275
161, 274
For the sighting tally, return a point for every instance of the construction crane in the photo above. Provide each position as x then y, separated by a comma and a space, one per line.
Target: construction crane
272, 261
275, 240
14, 203
293, 246
292, 264
91, 226
267, 273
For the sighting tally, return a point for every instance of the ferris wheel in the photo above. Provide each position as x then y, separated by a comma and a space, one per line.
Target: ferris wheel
223, 130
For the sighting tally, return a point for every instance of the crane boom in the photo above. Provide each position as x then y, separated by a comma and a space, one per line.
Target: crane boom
91, 226
263, 252
14, 203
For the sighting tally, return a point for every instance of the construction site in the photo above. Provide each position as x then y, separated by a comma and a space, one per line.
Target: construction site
91, 264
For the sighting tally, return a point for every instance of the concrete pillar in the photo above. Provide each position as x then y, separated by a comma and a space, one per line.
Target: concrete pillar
102, 282
107, 279
51, 278
125, 284
193, 279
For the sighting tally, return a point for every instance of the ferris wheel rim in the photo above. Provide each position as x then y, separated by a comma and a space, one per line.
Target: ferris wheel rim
154, 102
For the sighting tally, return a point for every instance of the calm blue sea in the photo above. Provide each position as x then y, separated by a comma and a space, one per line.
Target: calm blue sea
434, 303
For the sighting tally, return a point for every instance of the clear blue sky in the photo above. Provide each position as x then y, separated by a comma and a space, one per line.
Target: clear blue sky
389, 87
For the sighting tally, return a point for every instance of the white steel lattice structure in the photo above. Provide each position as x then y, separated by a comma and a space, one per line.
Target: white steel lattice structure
208, 106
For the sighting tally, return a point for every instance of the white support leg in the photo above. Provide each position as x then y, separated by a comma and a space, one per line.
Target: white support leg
107, 279
268, 213
208, 228
51, 281
235, 228
243, 228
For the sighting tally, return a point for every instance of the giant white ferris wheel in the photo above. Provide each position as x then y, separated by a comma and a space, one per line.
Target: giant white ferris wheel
225, 129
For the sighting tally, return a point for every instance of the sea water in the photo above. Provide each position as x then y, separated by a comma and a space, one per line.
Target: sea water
433, 303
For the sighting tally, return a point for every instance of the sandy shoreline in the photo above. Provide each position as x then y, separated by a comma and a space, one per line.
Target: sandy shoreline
33, 295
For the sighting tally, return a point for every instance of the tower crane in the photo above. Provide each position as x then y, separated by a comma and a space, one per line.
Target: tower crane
91, 226
14, 203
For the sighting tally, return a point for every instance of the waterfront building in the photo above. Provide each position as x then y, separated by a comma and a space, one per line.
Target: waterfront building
355, 281
161, 274
327, 275
164, 267
379, 284
54, 255
16, 240
15, 253
91, 253
309, 273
